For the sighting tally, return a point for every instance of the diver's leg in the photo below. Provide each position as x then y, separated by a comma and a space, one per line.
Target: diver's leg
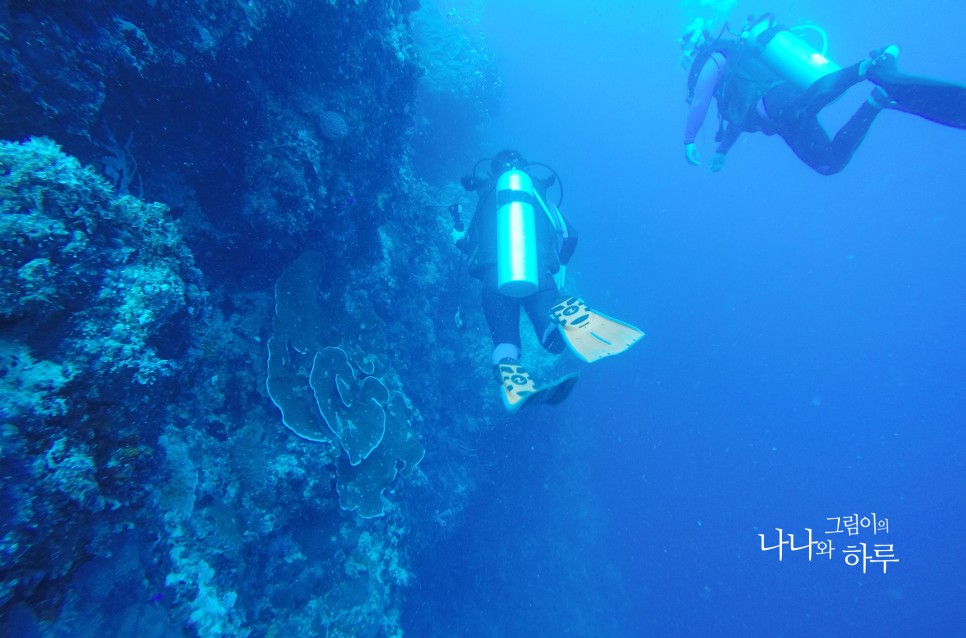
538, 307
827, 89
940, 102
809, 141
808, 144
807, 138
850, 136
503, 318
802, 133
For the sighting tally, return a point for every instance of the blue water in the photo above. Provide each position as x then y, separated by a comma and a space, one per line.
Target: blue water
804, 359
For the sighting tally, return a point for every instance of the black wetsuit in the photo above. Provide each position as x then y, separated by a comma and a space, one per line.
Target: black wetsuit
792, 114
794, 117
936, 101
753, 98
502, 312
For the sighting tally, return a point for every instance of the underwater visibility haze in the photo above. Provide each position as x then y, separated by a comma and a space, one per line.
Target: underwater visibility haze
246, 376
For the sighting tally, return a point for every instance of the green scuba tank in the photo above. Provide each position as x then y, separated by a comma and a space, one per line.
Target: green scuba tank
516, 235
788, 55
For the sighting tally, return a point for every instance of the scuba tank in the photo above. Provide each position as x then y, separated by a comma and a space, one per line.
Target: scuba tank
516, 234
787, 54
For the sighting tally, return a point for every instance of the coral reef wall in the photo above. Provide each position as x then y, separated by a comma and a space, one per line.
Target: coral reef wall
164, 163
100, 313
284, 122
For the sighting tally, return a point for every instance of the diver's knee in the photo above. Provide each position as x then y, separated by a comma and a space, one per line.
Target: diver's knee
828, 169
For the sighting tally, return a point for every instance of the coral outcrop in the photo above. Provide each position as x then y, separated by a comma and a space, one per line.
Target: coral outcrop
149, 484
100, 300
324, 397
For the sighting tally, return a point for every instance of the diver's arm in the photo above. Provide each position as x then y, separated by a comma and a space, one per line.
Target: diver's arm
729, 136
700, 103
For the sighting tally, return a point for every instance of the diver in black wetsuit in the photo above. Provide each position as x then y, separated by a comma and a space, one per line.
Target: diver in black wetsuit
555, 242
766, 80
518, 245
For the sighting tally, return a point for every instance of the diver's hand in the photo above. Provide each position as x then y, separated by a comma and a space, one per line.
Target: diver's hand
691, 154
457, 237
717, 162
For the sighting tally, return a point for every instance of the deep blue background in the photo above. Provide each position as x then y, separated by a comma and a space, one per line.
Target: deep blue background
805, 358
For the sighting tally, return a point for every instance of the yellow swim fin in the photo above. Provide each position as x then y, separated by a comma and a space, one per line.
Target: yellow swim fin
591, 335
516, 385
519, 389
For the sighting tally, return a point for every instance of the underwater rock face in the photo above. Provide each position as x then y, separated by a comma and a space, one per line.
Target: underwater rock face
147, 476
109, 275
113, 406
100, 309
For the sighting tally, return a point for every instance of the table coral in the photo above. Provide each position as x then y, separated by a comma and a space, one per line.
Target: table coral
336, 400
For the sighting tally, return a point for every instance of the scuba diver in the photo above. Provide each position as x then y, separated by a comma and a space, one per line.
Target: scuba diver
768, 79
518, 245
